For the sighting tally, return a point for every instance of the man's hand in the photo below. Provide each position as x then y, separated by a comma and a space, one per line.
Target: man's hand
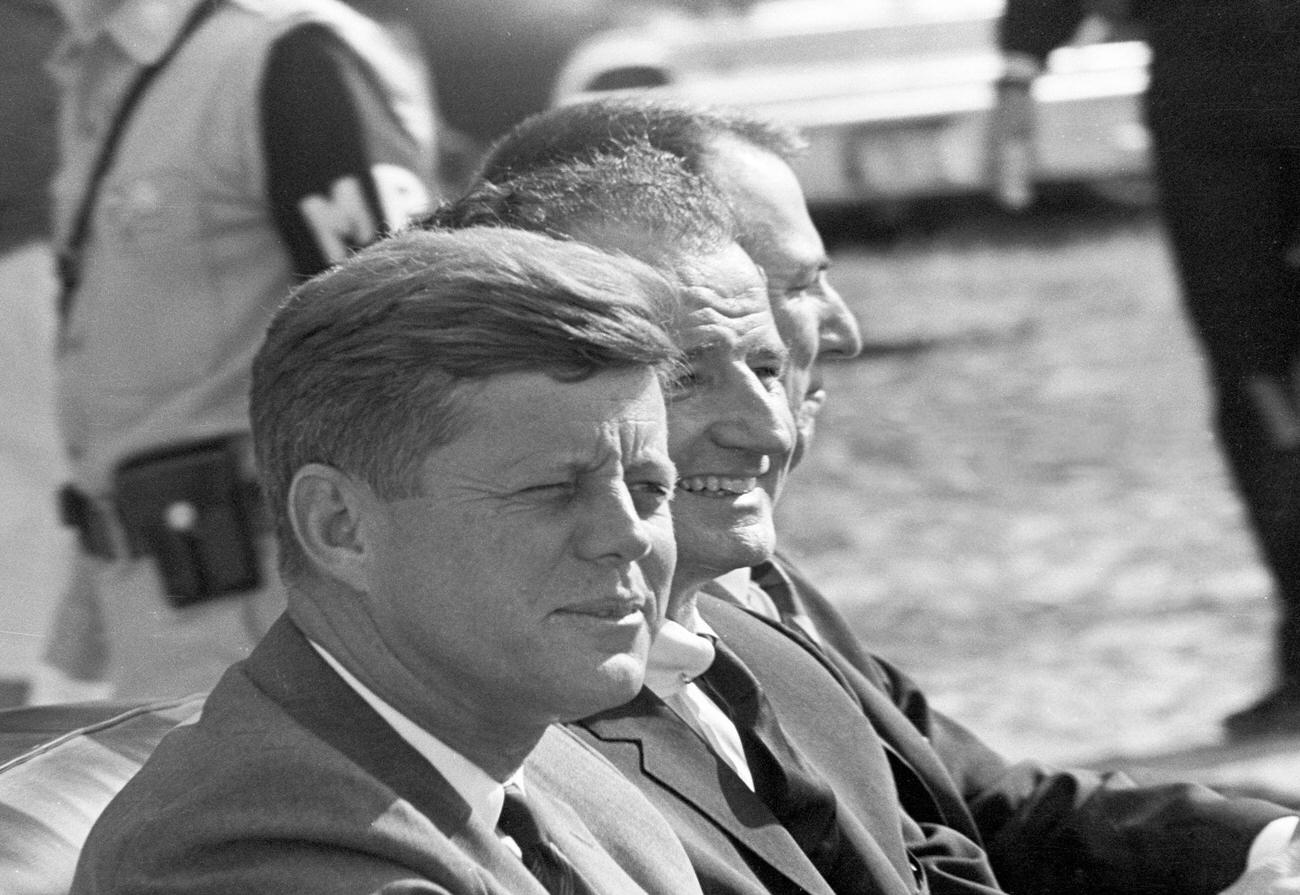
1011, 136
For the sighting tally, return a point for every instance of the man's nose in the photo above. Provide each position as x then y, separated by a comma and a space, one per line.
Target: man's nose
838, 335
755, 420
612, 531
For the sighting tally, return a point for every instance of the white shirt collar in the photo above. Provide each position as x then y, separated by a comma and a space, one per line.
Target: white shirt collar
737, 583
473, 784
681, 652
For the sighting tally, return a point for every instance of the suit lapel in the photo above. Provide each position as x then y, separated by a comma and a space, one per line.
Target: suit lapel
823, 718
292, 673
569, 833
924, 785
676, 758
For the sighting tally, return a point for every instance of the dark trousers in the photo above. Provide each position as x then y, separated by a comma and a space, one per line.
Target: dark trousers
1224, 109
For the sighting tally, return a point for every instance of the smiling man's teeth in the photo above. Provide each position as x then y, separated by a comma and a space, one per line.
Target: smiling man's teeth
719, 485
614, 611
610, 609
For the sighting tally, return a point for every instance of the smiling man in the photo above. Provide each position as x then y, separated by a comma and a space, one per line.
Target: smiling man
747, 160
463, 441
801, 769
732, 434
822, 817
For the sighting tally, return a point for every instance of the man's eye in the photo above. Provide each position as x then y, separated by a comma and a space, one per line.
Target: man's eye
655, 491
683, 382
769, 373
814, 283
549, 490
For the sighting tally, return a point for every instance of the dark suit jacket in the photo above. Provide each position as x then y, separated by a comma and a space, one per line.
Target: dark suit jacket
1046, 830
734, 841
290, 782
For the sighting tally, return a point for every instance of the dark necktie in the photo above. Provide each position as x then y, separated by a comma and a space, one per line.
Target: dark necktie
539, 854
948, 861
792, 790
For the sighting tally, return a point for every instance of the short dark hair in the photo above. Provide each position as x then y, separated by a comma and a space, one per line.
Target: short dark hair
608, 125
362, 368
637, 191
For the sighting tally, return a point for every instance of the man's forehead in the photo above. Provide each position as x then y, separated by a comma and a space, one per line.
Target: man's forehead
727, 279
537, 401
633, 440
708, 312
776, 228
707, 328
571, 426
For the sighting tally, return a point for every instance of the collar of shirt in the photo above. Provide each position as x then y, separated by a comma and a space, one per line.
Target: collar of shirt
682, 651
483, 794
739, 588
142, 29
679, 654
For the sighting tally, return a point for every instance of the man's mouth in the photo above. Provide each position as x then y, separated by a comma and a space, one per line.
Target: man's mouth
605, 610
815, 391
717, 485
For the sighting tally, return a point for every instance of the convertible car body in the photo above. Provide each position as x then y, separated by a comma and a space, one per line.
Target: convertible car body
895, 95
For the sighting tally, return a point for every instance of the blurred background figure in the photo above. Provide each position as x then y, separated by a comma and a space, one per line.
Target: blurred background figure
494, 64
213, 153
1223, 107
33, 549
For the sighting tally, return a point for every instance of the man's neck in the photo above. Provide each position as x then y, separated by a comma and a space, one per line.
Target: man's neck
682, 608
497, 742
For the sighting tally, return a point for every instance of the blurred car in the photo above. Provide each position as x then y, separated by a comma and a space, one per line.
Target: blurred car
494, 62
894, 95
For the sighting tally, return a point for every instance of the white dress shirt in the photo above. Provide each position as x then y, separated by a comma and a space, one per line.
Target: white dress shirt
679, 654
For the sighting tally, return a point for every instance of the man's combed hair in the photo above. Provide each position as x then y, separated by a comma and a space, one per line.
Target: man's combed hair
639, 191
362, 368
610, 125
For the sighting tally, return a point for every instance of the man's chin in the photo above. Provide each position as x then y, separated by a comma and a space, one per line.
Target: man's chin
705, 558
615, 683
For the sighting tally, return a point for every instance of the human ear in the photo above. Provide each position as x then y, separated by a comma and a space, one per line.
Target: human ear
329, 510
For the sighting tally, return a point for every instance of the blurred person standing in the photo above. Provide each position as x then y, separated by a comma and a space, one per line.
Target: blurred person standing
28, 31
33, 548
1223, 106
214, 152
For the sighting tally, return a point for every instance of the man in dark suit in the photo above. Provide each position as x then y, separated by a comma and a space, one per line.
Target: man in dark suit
463, 442
1221, 109
902, 796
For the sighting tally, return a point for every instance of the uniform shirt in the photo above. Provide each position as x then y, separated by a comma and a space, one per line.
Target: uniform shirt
237, 175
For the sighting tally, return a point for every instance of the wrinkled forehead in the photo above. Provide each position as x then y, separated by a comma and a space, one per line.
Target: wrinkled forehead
722, 299
726, 282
